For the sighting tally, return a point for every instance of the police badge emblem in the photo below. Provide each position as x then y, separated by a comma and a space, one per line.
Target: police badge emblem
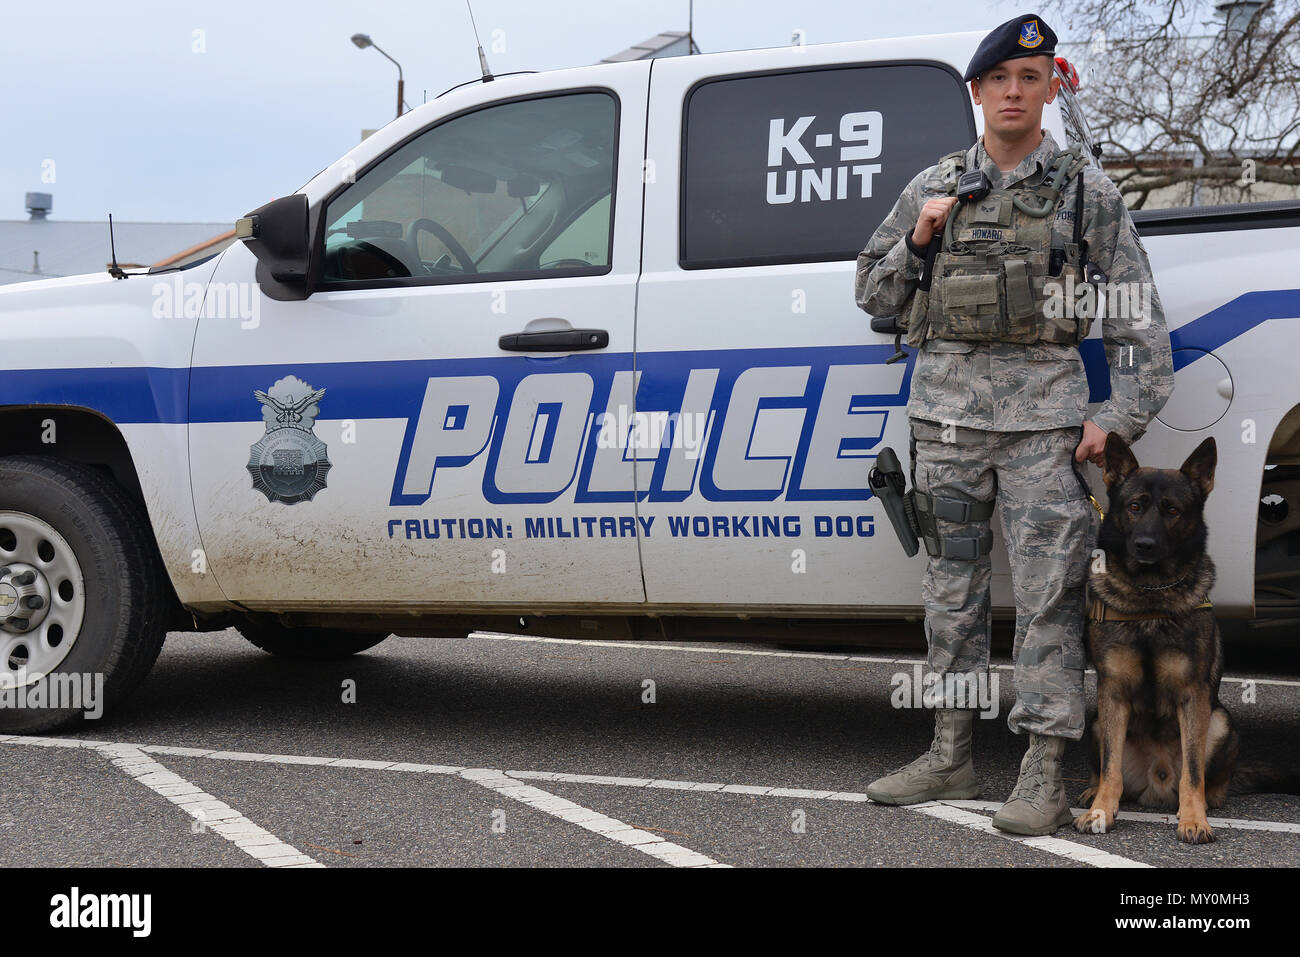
289, 463
1029, 35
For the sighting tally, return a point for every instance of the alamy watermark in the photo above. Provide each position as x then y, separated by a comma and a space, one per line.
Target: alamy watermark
66, 691
647, 431
930, 689
1130, 301
179, 299
133, 912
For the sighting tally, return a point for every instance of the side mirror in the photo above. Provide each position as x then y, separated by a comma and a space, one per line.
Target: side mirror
277, 235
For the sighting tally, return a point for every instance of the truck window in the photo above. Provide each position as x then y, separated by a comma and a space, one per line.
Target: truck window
585, 240
801, 166
484, 195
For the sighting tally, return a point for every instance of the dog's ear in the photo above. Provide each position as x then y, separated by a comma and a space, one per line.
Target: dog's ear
1199, 466
1119, 463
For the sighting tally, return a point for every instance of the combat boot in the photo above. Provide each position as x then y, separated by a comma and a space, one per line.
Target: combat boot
1038, 804
945, 772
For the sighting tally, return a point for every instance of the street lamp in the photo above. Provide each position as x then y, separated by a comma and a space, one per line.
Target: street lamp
362, 41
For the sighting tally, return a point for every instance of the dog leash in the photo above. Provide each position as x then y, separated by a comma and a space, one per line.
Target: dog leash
1103, 612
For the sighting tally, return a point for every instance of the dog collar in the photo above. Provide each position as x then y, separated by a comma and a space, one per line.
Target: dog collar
1103, 612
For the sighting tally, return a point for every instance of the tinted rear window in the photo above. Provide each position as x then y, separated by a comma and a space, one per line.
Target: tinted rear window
802, 166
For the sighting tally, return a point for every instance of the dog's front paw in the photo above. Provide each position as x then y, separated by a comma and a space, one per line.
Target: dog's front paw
1196, 831
1095, 821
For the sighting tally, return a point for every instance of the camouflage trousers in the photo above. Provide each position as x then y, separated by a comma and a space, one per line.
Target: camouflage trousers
1049, 526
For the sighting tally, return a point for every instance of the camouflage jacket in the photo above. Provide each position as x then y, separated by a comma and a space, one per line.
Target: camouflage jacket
1010, 387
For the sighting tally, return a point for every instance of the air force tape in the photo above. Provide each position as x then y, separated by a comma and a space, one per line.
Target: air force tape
289, 463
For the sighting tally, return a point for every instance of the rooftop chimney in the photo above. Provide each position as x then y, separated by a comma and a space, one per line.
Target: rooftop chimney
39, 205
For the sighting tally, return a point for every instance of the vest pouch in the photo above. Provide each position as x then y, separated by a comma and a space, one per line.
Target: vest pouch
1066, 317
970, 307
1023, 301
917, 317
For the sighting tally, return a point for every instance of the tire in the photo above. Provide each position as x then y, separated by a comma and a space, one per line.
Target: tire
307, 644
76, 538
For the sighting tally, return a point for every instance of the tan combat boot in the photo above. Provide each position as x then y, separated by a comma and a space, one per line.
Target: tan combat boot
1038, 804
945, 772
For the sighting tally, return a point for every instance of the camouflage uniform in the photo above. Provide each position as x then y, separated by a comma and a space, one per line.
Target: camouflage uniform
999, 416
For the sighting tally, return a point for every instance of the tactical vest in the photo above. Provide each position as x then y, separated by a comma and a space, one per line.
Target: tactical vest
992, 274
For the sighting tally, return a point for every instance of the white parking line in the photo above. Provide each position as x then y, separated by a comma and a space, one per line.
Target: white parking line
594, 821
1147, 817
214, 815
134, 760
1052, 845
508, 784
754, 652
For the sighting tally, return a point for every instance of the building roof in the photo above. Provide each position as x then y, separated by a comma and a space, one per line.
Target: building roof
36, 249
668, 43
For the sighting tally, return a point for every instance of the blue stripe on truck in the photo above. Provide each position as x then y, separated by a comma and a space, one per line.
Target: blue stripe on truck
125, 395
145, 394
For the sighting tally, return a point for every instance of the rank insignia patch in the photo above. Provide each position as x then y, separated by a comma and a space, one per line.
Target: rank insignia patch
289, 463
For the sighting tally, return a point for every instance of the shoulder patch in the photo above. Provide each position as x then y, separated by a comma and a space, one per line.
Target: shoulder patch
1137, 237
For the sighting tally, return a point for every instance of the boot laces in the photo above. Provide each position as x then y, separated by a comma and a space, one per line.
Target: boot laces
931, 758
1033, 775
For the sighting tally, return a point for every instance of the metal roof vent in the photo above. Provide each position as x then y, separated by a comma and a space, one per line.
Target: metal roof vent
39, 205
1236, 15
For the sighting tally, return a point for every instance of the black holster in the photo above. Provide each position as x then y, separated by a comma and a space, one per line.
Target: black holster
890, 486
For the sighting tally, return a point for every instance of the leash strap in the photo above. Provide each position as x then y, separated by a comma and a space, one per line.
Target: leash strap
1101, 612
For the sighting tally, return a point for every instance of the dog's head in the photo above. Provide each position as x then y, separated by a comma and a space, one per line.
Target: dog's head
1155, 514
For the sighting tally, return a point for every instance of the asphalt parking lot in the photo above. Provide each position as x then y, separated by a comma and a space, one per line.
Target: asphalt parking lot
498, 751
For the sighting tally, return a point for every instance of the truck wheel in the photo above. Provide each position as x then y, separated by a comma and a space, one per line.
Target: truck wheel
307, 644
83, 595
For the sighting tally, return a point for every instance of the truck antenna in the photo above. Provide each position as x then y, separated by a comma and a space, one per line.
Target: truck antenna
114, 269
482, 60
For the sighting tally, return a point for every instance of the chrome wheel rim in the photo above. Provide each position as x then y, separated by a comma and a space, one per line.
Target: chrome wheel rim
42, 599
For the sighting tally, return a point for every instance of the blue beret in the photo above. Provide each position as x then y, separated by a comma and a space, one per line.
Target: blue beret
1025, 35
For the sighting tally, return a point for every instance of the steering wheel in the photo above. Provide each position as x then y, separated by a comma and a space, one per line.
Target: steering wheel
563, 263
364, 260
448, 240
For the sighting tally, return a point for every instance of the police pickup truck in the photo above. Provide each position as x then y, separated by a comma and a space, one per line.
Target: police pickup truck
571, 353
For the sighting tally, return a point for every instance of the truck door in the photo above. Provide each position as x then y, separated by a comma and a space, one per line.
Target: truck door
422, 428
775, 389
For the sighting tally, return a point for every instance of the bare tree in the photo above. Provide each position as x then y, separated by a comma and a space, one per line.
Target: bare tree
1176, 97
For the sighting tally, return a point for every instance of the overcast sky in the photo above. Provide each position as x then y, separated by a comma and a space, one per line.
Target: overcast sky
134, 112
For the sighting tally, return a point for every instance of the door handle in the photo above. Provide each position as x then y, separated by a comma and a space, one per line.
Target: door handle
565, 340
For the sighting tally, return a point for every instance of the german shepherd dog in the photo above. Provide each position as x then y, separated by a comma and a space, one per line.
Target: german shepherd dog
1160, 735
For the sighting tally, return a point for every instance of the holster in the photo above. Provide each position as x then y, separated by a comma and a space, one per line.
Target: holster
890, 486
914, 514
